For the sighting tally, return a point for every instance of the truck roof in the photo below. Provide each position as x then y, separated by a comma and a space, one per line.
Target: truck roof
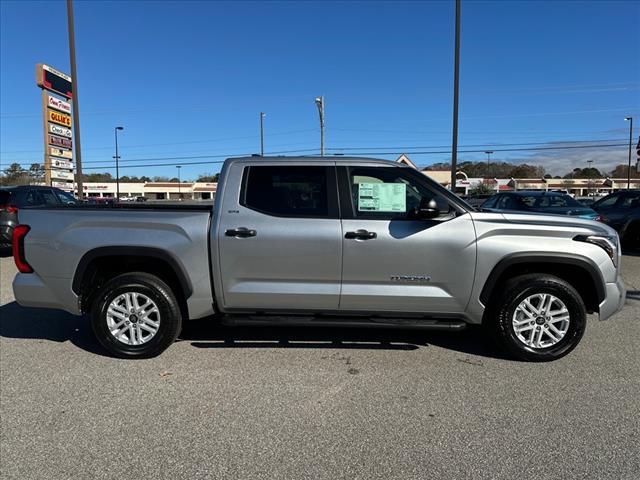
315, 158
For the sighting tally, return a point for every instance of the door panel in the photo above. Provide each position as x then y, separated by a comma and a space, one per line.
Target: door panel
410, 264
292, 262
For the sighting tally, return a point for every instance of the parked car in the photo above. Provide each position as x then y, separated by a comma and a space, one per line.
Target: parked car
551, 203
320, 241
12, 199
477, 200
621, 211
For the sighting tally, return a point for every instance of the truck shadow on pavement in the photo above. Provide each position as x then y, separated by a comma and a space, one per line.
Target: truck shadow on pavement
58, 326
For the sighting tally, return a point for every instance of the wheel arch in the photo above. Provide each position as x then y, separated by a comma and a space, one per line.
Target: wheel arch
581, 272
101, 264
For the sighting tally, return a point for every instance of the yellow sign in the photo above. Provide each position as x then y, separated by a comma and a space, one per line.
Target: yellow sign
59, 118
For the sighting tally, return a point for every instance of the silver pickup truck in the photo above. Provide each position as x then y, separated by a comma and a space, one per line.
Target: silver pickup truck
320, 241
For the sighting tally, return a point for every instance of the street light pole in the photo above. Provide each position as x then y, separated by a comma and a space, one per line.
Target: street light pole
179, 182
630, 120
320, 105
262, 115
456, 88
117, 157
488, 152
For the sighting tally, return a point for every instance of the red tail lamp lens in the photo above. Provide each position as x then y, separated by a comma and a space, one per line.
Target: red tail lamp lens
19, 232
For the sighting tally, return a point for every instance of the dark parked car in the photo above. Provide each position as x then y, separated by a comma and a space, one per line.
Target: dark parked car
621, 211
12, 199
553, 203
477, 200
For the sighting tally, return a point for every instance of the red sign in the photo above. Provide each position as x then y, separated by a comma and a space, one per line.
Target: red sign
59, 141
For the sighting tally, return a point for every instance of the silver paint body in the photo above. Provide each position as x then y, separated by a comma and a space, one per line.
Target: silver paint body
303, 264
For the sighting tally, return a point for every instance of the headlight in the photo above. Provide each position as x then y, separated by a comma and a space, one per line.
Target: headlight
609, 243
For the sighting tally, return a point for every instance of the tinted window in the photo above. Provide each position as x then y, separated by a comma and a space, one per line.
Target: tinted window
630, 201
291, 191
389, 193
48, 197
64, 197
490, 203
608, 201
512, 202
5, 197
33, 198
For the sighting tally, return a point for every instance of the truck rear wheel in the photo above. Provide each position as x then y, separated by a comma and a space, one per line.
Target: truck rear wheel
537, 317
136, 315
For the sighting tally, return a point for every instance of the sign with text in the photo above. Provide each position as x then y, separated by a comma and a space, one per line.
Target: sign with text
59, 152
59, 141
59, 118
66, 186
61, 164
58, 104
53, 80
61, 174
382, 197
62, 131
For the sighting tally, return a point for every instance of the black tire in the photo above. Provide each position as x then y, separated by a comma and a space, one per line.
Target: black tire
153, 288
498, 319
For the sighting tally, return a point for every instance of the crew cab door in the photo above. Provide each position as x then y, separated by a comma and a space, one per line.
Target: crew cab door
393, 261
279, 237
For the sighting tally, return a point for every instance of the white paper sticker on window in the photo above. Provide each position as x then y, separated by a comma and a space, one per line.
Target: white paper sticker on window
382, 197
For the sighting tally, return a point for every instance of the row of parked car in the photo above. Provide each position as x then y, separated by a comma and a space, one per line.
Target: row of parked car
620, 210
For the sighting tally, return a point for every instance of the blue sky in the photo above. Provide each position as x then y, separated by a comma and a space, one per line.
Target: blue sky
188, 79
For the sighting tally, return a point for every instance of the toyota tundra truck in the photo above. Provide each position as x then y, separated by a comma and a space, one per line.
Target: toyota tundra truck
320, 241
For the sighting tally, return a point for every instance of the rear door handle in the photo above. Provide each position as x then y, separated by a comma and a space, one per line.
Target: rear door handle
361, 235
240, 232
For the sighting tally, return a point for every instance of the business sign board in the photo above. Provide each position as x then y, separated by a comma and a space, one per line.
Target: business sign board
53, 102
59, 118
61, 174
59, 152
59, 141
61, 164
62, 131
53, 80
67, 186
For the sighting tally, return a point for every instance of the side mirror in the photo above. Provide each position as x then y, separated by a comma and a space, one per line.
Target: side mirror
428, 209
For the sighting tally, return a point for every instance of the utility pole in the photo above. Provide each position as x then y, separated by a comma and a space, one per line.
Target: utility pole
589, 162
262, 115
179, 182
117, 157
488, 152
630, 120
456, 88
320, 105
74, 99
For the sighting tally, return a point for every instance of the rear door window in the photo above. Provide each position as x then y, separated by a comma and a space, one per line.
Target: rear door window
5, 197
290, 191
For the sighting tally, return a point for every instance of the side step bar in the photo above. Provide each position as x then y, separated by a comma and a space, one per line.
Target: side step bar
312, 321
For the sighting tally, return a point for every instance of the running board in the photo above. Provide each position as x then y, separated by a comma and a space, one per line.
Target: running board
311, 321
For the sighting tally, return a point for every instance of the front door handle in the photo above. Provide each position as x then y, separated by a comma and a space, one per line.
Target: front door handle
361, 235
240, 232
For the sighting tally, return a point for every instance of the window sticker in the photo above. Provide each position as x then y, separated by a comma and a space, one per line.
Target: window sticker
382, 197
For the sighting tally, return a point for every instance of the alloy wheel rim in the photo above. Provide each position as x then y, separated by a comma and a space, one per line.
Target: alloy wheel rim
541, 320
133, 318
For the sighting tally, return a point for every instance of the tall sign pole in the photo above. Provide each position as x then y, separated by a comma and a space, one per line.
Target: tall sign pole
76, 109
456, 87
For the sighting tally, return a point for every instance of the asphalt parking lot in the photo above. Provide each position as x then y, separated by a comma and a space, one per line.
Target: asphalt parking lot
322, 404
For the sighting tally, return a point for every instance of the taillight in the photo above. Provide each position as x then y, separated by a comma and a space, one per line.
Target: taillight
599, 218
19, 232
9, 208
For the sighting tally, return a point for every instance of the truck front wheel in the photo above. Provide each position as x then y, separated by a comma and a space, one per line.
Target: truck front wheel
537, 317
136, 315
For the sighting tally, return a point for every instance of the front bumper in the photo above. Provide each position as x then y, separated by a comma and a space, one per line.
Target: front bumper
616, 294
